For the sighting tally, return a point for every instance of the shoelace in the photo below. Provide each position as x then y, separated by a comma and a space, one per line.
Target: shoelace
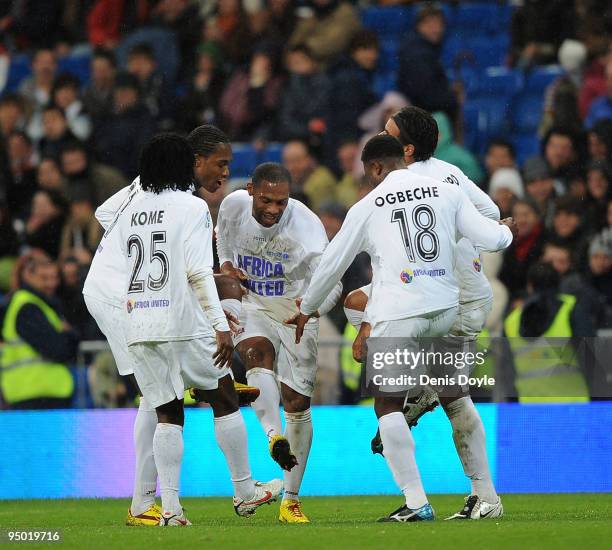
295, 510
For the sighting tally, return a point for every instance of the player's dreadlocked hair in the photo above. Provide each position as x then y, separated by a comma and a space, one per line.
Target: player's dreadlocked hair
205, 139
271, 172
417, 128
166, 162
382, 147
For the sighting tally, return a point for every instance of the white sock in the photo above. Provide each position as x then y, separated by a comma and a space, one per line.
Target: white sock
298, 430
354, 316
145, 477
168, 452
231, 436
233, 306
399, 454
469, 437
267, 405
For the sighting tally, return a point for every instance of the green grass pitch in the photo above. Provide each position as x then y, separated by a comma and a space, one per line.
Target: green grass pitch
582, 522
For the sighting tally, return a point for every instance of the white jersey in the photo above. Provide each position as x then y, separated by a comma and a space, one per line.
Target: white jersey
278, 261
166, 240
473, 285
106, 277
408, 225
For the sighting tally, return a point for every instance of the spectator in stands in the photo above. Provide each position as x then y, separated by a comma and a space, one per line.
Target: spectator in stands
540, 187
559, 256
108, 20
305, 98
81, 172
56, 132
229, 27
354, 72
505, 188
200, 105
562, 152
421, 76
182, 17
82, 232
524, 250
598, 194
36, 89
328, 32
347, 191
452, 152
600, 141
595, 285
141, 63
118, 137
567, 229
307, 175
561, 96
500, 154
250, 99
594, 81
97, 96
601, 108
65, 95
22, 183
49, 175
38, 341
281, 21
538, 28
577, 187
12, 115
44, 227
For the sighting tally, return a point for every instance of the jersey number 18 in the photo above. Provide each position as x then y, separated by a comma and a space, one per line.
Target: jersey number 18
427, 245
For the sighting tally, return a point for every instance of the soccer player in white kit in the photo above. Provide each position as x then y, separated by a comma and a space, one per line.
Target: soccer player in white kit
104, 296
273, 244
417, 131
175, 322
408, 225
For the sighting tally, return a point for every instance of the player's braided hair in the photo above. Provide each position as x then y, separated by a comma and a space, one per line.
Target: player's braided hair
417, 128
205, 139
166, 162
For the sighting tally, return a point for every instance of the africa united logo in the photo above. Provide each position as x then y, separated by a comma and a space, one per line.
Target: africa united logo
477, 264
406, 276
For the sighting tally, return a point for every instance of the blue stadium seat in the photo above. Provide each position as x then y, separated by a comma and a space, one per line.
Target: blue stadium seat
244, 161
472, 128
77, 65
390, 22
272, 153
389, 56
467, 18
19, 69
526, 145
540, 77
527, 112
385, 82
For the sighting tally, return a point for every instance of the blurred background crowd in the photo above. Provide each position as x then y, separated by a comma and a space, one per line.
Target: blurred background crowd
521, 91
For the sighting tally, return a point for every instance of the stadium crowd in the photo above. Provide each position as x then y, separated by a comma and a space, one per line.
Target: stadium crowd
303, 74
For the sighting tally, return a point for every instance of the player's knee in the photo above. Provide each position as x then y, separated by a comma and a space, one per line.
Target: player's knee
357, 300
387, 405
258, 356
228, 287
293, 401
171, 413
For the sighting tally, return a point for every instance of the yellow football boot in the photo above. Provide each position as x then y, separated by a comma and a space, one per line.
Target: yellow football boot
291, 512
280, 451
246, 394
149, 518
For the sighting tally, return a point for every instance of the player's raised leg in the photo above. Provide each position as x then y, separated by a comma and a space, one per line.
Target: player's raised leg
258, 355
231, 435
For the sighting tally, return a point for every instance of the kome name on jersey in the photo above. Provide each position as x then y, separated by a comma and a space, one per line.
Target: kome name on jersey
147, 218
407, 195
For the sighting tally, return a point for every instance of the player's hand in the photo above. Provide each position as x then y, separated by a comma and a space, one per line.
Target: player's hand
300, 323
509, 222
225, 349
359, 345
228, 269
232, 321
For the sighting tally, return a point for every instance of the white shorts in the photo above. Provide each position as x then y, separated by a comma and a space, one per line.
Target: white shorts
471, 318
294, 365
110, 322
430, 325
164, 369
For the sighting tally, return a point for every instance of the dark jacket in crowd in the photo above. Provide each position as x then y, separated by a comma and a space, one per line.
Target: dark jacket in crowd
119, 138
48, 236
421, 76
